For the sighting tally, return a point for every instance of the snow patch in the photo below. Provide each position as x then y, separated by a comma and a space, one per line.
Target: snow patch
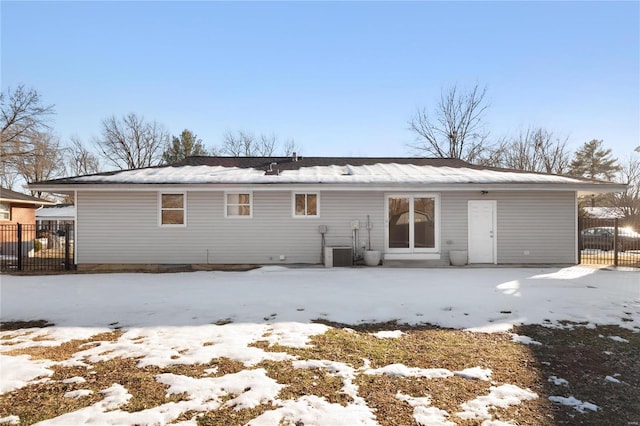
312, 410
401, 370
388, 334
10, 420
115, 396
250, 387
618, 339
76, 379
500, 396
164, 346
19, 371
525, 340
580, 406
423, 413
611, 379
477, 373
78, 393
558, 381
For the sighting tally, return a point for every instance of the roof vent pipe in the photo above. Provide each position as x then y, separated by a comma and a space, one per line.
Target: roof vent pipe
295, 156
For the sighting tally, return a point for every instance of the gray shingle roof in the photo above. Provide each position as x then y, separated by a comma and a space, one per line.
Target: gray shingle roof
8, 195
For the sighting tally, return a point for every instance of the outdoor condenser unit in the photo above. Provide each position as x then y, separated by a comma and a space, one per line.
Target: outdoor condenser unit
338, 256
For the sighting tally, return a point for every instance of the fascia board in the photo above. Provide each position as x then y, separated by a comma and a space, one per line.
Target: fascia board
582, 188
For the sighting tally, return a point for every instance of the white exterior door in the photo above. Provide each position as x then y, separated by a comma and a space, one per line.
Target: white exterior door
482, 231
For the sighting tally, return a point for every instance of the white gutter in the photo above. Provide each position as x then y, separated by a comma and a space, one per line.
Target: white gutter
586, 188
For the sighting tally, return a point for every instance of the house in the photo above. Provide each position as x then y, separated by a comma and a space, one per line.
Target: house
54, 217
287, 210
19, 208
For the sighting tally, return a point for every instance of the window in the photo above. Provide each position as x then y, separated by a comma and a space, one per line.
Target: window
238, 204
172, 209
5, 211
306, 205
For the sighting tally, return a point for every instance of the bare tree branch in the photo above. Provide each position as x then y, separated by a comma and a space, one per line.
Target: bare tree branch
130, 142
455, 129
628, 202
79, 160
46, 161
22, 119
244, 144
533, 150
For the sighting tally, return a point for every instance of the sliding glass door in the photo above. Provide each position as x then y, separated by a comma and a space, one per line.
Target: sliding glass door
411, 223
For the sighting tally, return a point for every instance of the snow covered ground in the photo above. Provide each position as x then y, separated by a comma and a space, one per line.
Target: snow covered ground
171, 319
489, 299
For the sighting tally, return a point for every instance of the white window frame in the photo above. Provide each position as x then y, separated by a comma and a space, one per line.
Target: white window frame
226, 204
4, 210
184, 209
305, 216
411, 252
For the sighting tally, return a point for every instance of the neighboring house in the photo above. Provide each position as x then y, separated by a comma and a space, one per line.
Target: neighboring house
54, 217
281, 210
15, 208
19, 208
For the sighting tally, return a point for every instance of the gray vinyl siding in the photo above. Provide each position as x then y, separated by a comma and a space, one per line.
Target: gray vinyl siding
122, 227
542, 223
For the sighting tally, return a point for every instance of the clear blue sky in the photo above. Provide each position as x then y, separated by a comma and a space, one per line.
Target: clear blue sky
338, 78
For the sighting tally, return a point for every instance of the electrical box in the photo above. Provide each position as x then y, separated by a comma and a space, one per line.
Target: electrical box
338, 256
322, 229
355, 224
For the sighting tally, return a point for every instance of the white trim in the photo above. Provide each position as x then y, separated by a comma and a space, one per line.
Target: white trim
494, 224
183, 209
437, 224
75, 228
400, 187
35, 203
577, 247
305, 193
226, 204
7, 211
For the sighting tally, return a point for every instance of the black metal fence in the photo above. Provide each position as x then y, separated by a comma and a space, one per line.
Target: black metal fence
36, 247
608, 242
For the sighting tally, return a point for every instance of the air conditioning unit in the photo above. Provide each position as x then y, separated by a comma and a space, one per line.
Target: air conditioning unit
338, 256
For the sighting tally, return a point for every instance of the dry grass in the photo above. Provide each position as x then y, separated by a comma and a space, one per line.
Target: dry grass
65, 350
580, 356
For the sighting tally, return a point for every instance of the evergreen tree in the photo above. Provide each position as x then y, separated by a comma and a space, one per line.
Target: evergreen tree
186, 145
594, 162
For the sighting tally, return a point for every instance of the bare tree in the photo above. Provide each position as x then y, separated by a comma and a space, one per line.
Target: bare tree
80, 161
130, 142
628, 202
534, 150
23, 119
455, 128
8, 176
244, 144
46, 161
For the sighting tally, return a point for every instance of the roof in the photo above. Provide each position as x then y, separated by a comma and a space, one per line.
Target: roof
18, 197
59, 212
362, 171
